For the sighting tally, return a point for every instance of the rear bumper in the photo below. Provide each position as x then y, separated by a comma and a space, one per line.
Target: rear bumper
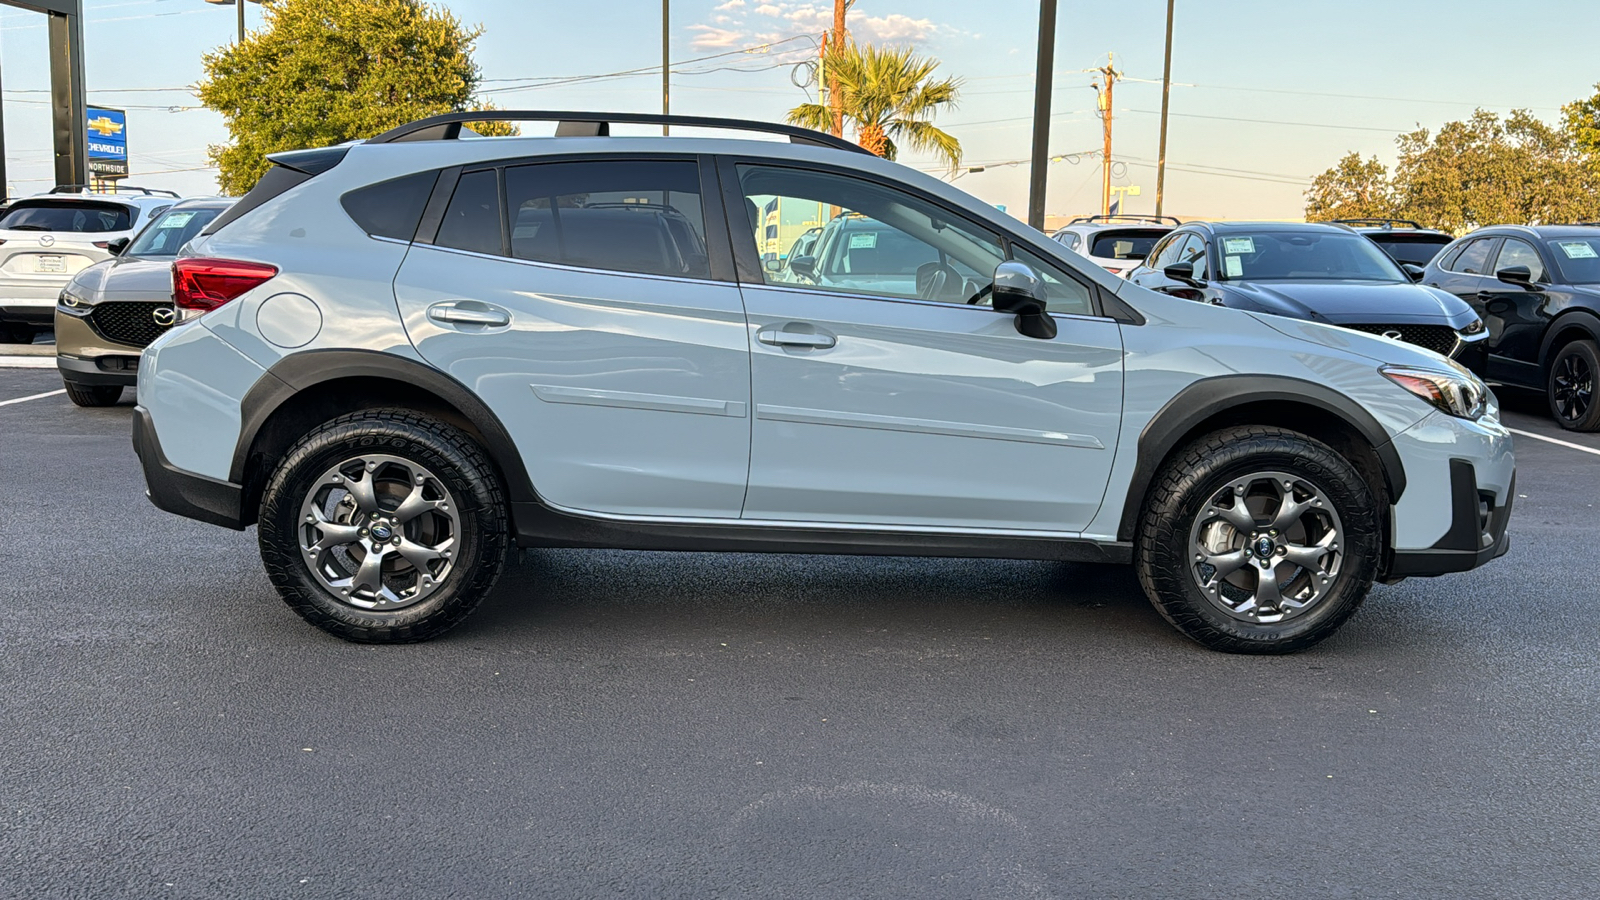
183, 493
1478, 529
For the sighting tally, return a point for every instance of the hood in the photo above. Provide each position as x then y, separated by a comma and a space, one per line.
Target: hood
1354, 302
126, 278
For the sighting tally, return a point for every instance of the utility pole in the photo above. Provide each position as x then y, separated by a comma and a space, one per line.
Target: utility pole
834, 100
1108, 79
666, 67
240, 4
1166, 90
1038, 166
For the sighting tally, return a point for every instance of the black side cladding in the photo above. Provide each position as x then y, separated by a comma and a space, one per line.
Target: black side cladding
288, 170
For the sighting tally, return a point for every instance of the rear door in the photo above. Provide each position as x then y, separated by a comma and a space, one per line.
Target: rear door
571, 298
1516, 317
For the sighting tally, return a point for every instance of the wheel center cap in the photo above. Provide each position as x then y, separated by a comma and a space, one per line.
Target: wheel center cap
382, 532
1264, 546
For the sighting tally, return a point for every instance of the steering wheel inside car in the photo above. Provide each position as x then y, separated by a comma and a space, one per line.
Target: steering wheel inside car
983, 292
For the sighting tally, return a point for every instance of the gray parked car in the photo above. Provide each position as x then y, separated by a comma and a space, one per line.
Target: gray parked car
394, 383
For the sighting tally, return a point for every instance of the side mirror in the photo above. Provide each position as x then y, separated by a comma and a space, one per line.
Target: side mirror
773, 265
1019, 290
1414, 272
1182, 272
804, 265
1519, 276
116, 247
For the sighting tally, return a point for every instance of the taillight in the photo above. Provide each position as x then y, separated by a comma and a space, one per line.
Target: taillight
102, 244
201, 285
1113, 271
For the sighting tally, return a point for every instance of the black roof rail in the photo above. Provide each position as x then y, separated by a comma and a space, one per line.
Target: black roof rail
86, 188
1125, 217
1378, 223
448, 127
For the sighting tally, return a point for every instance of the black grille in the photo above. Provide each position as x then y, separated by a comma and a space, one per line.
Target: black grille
128, 323
1438, 338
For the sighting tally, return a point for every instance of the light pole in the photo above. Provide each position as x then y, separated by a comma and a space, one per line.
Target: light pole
240, 4
1166, 91
1041, 112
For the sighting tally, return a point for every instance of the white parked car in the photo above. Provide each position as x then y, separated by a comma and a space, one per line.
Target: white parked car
1115, 243
47, 239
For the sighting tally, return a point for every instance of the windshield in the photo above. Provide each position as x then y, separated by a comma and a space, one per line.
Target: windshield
67, 216
1302, 255
166, 235
1577, 258
1130, 243
1418, 250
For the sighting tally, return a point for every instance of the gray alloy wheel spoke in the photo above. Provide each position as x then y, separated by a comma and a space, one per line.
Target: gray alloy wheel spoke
1236, 515
1308, 556
1226, 563
379, 532
1268, 597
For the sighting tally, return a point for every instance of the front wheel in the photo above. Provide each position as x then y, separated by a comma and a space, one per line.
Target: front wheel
1258, 540
384, 526
1571, 386
93, 394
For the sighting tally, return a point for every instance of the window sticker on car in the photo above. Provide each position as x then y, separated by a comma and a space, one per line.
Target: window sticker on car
176, 220
864, 240
1577, 249
1238, 245
1232, 266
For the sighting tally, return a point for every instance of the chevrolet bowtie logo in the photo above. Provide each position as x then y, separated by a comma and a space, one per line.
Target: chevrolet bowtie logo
105, 126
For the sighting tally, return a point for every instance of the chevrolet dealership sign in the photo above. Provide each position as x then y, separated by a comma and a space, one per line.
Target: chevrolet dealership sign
108, 142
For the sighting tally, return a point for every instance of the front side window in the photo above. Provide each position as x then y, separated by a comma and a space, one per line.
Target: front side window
1166, 252
1520, 253
1473, 258
1193, 252
874, 239
167, 234
641, 216
1304, 255
1063, 293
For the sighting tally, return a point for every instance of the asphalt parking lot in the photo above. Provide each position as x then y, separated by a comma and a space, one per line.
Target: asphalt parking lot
683, 725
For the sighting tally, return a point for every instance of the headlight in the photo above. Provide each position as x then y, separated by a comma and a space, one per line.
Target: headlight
1475, 328
73, 304
1460, 393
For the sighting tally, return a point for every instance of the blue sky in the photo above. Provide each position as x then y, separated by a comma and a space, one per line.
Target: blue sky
1267, 92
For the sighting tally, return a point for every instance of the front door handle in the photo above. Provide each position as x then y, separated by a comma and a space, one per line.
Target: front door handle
468, 312
1485, 296
784, 337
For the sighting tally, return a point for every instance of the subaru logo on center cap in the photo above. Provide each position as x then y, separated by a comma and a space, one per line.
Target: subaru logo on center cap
1264, 546
382, 532
48, 240
164, 315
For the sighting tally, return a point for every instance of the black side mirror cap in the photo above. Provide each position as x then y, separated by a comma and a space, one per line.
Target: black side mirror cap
1183, 272
1414, 272
1019, 290
1519, 276
804, 265
116, 247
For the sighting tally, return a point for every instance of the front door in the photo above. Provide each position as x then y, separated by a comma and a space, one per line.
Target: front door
576, 299
882, 397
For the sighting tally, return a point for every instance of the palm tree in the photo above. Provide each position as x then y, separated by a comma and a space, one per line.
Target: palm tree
887, 93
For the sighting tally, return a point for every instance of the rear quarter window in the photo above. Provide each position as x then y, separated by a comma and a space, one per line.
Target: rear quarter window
392, 208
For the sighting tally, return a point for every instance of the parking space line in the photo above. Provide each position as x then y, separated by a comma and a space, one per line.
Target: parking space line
27, 362
1540, 437
34, 397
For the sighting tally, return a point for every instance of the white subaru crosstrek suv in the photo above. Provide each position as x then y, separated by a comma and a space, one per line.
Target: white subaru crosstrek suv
47, 239
403, 355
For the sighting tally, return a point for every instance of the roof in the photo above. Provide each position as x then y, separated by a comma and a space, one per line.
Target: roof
1542, 231
1235, 227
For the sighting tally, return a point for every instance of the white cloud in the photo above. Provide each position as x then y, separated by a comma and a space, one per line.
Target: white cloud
767, 9
723, 20
731, 4
715, 38
894, 27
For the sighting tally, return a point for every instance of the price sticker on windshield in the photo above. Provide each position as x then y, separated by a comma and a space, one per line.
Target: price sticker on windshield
1233, 267
1577, 249
864, 240
176, 220
1238, 245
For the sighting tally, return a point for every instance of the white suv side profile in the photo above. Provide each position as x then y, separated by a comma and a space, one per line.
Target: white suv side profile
399, 357
47, 239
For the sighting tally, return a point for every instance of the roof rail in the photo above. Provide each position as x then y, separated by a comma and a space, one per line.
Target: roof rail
448, 127
1125, 217
86, 188
1378, 223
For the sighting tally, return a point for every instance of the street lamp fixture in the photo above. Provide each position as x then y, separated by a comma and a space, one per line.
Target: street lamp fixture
239, 4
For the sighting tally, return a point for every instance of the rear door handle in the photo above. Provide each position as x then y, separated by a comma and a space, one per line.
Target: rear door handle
777, 336
468, 312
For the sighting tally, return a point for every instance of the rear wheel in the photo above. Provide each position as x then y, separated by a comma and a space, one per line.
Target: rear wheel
384, 526
1258, 540
93, 394
1571, 386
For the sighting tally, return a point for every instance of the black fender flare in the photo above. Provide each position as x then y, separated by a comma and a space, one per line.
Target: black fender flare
295, 373
1208, 397
1586, 319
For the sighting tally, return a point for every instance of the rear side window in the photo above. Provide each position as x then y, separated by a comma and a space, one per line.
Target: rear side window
640, 216
67, 216
391, 208
472, 221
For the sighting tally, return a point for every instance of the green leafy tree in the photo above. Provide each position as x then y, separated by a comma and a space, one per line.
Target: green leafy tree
890, 97
1356, 188
1581, 119
322, 72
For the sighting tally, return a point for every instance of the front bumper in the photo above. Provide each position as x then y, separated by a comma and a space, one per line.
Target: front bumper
180, 492
1477, 534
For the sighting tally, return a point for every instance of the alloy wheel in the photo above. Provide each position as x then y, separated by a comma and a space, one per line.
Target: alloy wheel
1572, 386
1266, 547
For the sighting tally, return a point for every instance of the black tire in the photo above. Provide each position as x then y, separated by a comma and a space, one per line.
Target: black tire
1570, 386
459, 464
93, 394
1201, 471
17, 334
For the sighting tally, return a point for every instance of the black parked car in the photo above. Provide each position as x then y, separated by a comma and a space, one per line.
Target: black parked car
1402, 239
1538, 289
1322, 273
